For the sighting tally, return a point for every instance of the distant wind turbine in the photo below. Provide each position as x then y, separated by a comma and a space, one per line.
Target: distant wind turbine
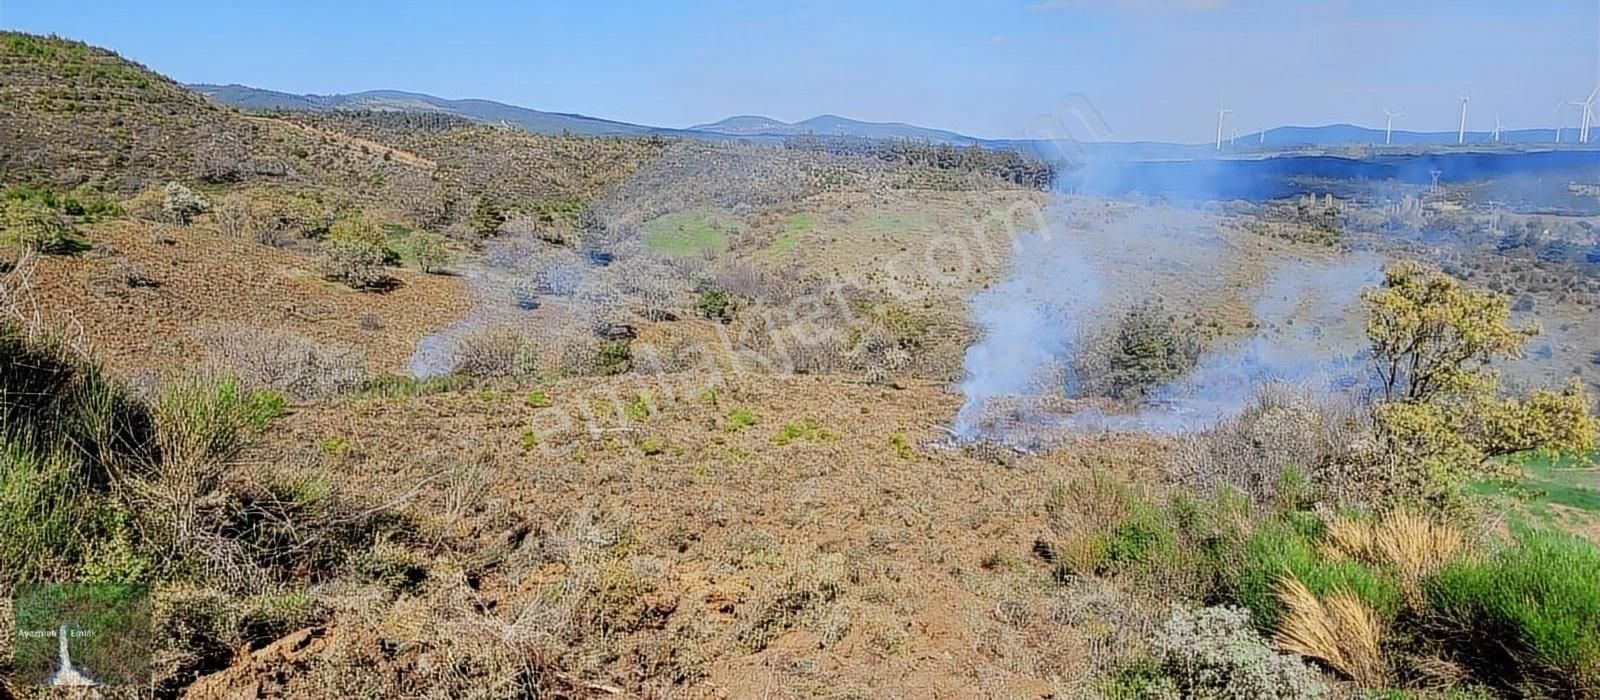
1388, 127
1461, 134
1588, 114
1222, 114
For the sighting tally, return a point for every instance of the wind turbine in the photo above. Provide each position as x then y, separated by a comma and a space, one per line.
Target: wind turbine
1388, 127
1222, 114
1588, 114
1461, 134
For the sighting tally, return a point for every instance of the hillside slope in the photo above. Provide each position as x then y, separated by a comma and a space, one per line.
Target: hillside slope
486, 111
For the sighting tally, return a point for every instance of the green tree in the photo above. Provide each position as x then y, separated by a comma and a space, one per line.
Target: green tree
1430, 335
36, 227
430, 251
354, 253
1442, 411
1147, 350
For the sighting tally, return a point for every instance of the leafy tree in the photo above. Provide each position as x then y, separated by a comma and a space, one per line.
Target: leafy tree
430, 251
36, 227
1432, 336
354, 253
1432, 343
1147, 350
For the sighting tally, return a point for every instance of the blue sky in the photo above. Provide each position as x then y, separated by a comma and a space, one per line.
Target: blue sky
1154, 69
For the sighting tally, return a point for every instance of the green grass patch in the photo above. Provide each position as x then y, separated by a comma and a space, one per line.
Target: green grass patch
797, 225
1288, 546
394, 386
687, 234
804, 430
1548, 489
741, 418
1532, 606
537, 399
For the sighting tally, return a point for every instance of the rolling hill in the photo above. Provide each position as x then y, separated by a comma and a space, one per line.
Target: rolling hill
832, 125
486, 111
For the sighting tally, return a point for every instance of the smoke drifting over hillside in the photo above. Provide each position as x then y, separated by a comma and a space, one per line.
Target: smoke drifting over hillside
1025, 378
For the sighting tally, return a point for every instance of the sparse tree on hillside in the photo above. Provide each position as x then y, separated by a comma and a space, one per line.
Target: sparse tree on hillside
430, 250
1432, 341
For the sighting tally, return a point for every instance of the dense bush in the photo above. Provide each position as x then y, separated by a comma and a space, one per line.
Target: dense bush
717, 304
286, 362
1145, 350
430, 250
1327, 439
1529, 611
355, 253
496, 352
355, 264
35, 226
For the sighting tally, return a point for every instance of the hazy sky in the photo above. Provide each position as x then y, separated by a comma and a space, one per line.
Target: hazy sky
1154, 68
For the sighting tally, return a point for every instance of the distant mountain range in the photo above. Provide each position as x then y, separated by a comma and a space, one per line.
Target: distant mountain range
245, 97
759, 127
832, 125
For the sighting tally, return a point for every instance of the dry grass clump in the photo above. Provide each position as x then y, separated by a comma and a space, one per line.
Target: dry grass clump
803, 588
1339, 630
1412, 545
284, 361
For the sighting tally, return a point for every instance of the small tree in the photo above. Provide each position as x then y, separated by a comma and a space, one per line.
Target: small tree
1146, 351
181, 204
431, 251
354, 253
1432, 341
37, 227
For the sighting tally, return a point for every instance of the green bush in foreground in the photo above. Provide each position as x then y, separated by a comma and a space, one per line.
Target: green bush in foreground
1288, 546
1532, 606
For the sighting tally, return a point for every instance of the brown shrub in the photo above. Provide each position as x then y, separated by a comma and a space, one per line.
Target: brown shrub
236, 216
1286, 428
496, 352
283, 361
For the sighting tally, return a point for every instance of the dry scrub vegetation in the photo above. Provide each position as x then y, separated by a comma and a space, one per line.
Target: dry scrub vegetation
683, 429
